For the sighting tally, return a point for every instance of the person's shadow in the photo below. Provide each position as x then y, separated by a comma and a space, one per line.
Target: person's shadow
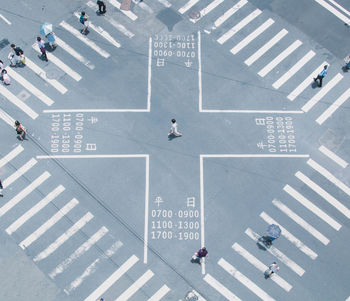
173, 136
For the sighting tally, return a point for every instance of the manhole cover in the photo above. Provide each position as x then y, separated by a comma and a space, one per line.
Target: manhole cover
52, 74
194, 15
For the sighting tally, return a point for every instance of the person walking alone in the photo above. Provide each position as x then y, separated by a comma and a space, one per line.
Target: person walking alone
1, 188
41, 46
51, 37
273, 268
84, 20
173, 129
321, 75
21, 131
101, 7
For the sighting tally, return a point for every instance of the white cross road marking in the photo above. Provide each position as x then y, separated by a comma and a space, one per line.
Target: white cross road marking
229, 13
335, 12
127, 13
7, 21
165, 3
301, 222
19, 172
160, 293
187, 6
324, 150
144, 6
207, 9
11, 155
7, 118
220, 288
339, 7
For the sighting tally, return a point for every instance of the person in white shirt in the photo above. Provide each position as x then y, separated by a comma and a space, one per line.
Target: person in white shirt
173, 129
41, 46
5, 77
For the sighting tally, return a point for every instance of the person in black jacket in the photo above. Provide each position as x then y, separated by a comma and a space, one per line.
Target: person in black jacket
101, 6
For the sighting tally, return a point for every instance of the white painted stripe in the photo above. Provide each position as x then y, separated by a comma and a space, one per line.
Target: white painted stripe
200, 87
127, 13
101, 32
39, 71
278, 59
229, 34
323, 193
301, 222
7, 118
84, 39
244, 280
277, 253
149, 77
112, 279
201, 181
200, 298
126, 295
187, 6
260, 266
74, 53
348, 299
78, 252
339, 7
253, 156
7, 21
145, 238
64, 237
101, 110
48, 224
333, 107
206, 10
312, 207
92, 156
220, 288
285, 233
34, 210
26, 191
160, 293
252, 36
229, 13
324, 172
165, 3
19, 172
17, 102
294, 69
11, 155
335, 12
144, 6
262, 50
333, 156
31, 88
306, 83
315, 99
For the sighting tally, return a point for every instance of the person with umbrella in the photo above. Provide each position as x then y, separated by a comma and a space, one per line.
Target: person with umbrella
273, 231
46, 30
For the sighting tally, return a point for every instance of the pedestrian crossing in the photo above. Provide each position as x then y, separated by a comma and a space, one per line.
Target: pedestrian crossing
37, 226
327, 220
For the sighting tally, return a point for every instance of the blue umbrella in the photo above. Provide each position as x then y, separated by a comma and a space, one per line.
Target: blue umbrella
45, 28
274, 231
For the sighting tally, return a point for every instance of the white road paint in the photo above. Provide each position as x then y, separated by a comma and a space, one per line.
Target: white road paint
34, 210
7, 118
229, 34
187, 6
160, 293
285, 233
6, 20
312, 207
333, 107
200, 88
100, 111
48, 224
23, 193
293, 70
201, 179
301, 222
206, 10
318, 96
323, 193
165, 3
244, 280
339, 7
19, 172
335, 12
11, 155
127, 13
253, 156
149, 78
261, 266
242, 111
305, 83
331, 155
91, 156
229, 13
145, 247
225, 292
278, 59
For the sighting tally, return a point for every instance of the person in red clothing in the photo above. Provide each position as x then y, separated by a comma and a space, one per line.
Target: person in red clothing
197, 257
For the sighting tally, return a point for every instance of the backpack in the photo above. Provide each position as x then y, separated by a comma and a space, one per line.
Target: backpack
82, 19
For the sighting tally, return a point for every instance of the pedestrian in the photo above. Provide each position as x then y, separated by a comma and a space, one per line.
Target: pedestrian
84, 20
1, 65
197, 257
5, 77
347, 62
21, 131
101, 6
41, 46
51, 37
1, 188
101, 299
321, 75
173, 129
16, 56
273, 268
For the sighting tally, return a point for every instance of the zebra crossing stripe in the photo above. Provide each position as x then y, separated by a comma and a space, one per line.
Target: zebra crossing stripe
318, 96
278, 59
324, 194
262, 50
313, 208
187, 6
7, 118
252, 36
207, 9
130, 291
74, 53
64, 237
333, 107
294, 69
144, 6
39, 71
229, 34
31, 88
165, 3
301, 222
324, 172
84, 39
112, 279
331, 155
295, 241
34, 210
17, 102
220, 288
260, 266
244, 280
19, 172
306, 83
48, 224
160, 293
25, 192
11, 155
7, 21
229, 13
79, 252
127, 13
